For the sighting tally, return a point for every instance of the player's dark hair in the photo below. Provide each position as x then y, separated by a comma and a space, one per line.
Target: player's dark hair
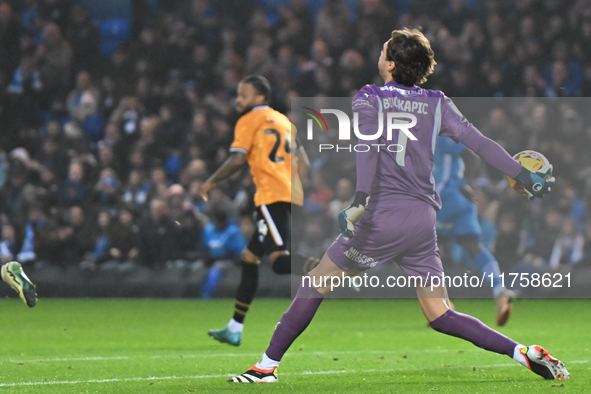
260, 84
410, 50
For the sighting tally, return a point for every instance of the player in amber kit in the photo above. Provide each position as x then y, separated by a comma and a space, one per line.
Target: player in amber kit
398, 222
267, 140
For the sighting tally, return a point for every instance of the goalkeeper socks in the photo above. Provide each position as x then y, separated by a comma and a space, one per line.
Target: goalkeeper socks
487, 264
266, 363
248, 286
473, 330
520, 356
295, 320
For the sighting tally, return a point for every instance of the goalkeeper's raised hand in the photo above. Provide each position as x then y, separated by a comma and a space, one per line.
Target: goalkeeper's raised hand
351, 215
536, 184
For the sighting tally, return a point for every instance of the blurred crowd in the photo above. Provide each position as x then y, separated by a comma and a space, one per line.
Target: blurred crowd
101, 158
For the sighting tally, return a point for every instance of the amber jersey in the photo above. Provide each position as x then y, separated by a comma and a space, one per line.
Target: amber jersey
268, 139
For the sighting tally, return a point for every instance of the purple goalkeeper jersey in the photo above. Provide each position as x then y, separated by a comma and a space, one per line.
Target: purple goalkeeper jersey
402, 167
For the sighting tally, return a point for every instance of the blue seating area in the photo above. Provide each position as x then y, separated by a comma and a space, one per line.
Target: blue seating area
114, 18
114, 32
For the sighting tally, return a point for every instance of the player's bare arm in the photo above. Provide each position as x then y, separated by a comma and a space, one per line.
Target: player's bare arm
230, 166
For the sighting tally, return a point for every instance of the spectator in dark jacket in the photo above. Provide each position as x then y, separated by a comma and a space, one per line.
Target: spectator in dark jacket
124, 238
54, 56
158, 241
42, 239
84, 37
78, 241
189, 222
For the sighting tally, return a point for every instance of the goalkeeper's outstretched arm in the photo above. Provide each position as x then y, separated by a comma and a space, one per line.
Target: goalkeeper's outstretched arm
535, 184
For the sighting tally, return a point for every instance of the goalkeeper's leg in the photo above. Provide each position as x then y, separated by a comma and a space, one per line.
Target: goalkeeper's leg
294, 321
442, 318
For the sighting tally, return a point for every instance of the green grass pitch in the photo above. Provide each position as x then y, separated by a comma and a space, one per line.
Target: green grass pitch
352, 346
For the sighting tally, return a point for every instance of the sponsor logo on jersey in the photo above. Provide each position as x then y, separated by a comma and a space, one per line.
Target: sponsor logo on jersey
360, 258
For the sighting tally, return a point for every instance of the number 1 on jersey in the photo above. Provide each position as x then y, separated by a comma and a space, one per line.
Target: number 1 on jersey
402, 140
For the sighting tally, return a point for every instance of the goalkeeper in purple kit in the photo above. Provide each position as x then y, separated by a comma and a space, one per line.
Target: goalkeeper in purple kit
393, 214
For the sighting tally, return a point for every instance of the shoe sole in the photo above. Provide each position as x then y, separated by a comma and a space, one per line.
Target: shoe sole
12, 273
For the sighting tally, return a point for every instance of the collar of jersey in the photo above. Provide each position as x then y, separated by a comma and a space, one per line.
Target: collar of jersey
400, 86
259, 107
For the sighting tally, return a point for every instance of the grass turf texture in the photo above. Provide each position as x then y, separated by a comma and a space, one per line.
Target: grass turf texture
378, 346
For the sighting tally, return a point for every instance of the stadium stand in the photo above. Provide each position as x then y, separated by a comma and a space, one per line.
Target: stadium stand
91, 144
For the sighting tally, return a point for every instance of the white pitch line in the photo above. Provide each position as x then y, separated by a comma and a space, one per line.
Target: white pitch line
330, 372
294, 353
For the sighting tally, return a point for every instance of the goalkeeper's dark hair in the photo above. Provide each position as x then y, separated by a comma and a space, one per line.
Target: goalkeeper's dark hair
260, 84
410, 50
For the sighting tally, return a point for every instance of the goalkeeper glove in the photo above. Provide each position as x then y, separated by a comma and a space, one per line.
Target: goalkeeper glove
351, 215
538, 183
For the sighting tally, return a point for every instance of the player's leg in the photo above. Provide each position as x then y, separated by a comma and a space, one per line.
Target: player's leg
283, 262
247, 288
488, 265
275, 224
484, 260
422, 259
294, 321
379, 237
434, 303
13, 274
467, 231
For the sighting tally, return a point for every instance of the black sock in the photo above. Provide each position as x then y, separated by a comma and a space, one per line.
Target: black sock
248, 286
282, 264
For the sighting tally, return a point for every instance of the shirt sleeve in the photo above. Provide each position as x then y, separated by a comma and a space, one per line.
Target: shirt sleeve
453, 122
365, 103
243, 136
456, 126
491, 152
